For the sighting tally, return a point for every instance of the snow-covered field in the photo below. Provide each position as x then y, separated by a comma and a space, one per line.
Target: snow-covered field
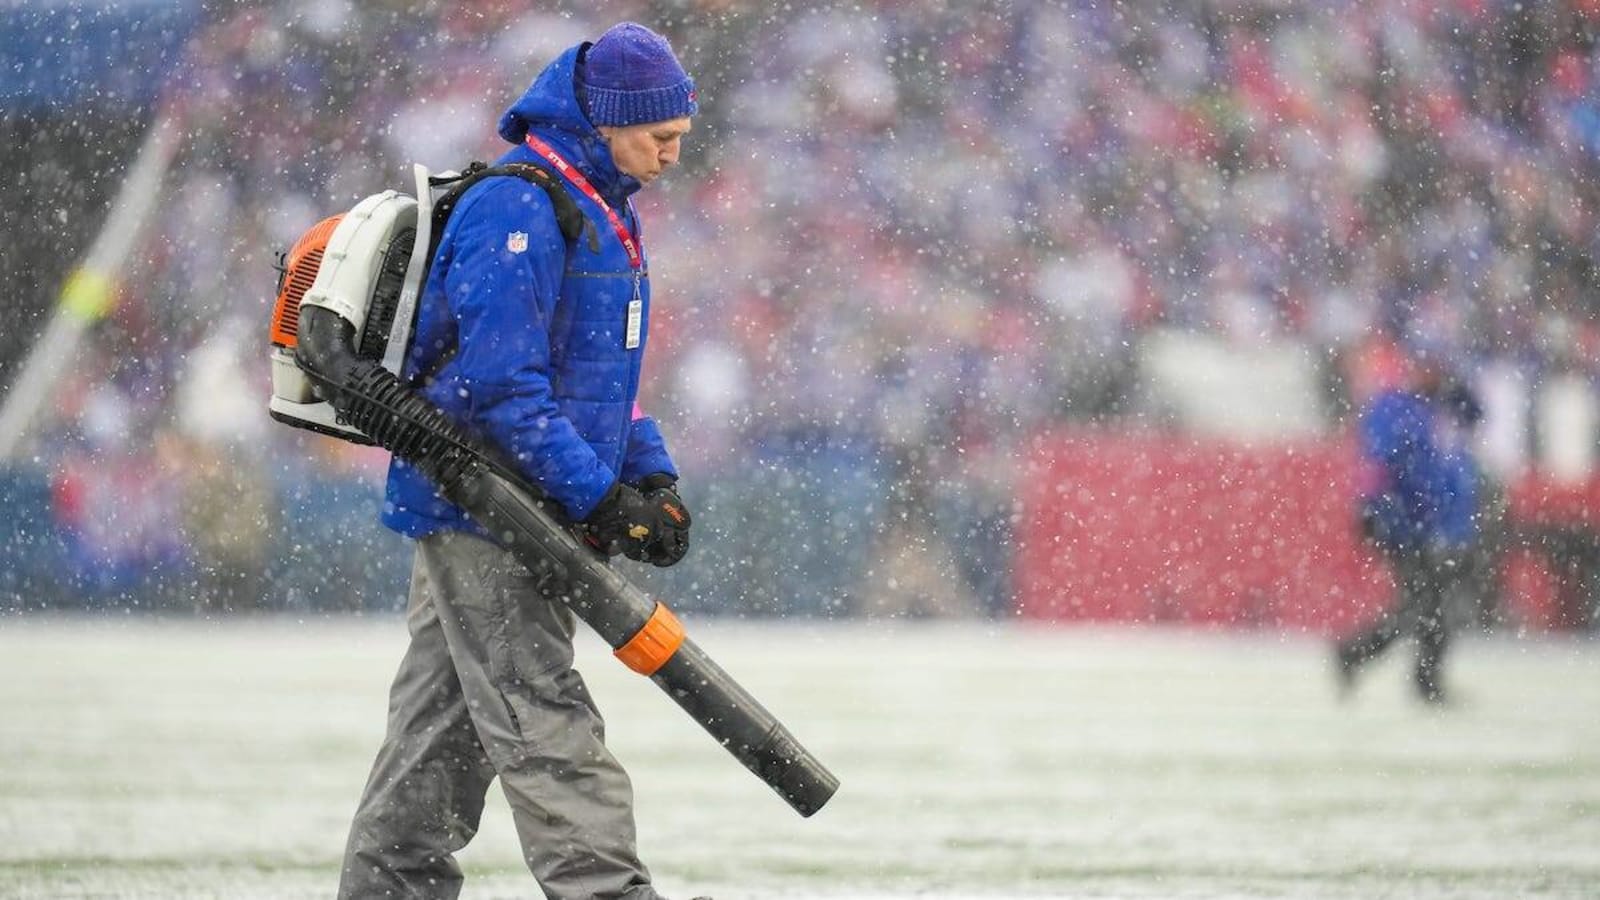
146, 758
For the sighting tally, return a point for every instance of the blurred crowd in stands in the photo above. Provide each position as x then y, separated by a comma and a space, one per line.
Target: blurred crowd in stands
907, 237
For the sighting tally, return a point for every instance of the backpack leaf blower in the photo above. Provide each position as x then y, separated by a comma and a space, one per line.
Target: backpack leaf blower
342, 319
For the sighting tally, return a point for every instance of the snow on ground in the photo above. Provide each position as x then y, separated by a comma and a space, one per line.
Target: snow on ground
151, 758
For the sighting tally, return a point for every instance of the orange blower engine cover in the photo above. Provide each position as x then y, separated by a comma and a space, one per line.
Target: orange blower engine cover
299, 271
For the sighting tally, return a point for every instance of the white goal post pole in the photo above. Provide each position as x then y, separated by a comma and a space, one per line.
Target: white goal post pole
90, 291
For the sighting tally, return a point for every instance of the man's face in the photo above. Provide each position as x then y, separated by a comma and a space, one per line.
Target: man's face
646, 150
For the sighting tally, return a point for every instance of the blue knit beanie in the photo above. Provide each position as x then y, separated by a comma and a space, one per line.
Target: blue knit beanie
630, 76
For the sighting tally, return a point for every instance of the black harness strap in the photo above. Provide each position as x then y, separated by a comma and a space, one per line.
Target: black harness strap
569, 218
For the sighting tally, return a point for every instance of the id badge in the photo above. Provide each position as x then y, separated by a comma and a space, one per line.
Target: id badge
635, 324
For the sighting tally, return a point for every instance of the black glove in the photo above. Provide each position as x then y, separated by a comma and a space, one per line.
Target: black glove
672, 540
649, 527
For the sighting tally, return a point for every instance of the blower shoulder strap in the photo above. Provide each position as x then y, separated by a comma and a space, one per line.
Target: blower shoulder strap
569, 218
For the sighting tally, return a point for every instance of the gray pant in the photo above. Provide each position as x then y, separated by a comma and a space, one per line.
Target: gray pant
1424, 577
487, 688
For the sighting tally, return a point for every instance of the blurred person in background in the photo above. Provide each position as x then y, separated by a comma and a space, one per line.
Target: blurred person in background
537, 344
229, 512
228, 519
1420, 510
116, 508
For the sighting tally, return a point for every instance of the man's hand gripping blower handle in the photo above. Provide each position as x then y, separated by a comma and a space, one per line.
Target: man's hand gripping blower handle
644, 634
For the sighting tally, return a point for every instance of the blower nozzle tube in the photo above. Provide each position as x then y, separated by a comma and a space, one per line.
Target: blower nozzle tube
643, 632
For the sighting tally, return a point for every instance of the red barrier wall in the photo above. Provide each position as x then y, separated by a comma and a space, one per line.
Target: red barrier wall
1144, 528
1540, 579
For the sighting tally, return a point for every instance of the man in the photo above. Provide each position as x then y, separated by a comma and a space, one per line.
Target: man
1421, 514
535, 344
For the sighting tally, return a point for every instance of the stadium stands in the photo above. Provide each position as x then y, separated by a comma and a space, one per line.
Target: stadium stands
908, 239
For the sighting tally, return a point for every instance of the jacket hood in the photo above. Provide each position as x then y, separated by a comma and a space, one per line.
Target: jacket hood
550, 107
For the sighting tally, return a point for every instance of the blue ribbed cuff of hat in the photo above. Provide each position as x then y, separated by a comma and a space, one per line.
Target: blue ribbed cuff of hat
612, 107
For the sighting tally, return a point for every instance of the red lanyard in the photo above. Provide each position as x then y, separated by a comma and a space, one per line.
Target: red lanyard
635, 258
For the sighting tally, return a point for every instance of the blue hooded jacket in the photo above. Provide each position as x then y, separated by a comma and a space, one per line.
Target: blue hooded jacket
522, 337
1429, 491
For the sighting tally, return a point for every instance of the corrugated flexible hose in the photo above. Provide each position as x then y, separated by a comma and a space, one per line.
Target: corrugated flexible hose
643, 633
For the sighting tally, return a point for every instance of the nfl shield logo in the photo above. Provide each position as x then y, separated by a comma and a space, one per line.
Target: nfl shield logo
517, 241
